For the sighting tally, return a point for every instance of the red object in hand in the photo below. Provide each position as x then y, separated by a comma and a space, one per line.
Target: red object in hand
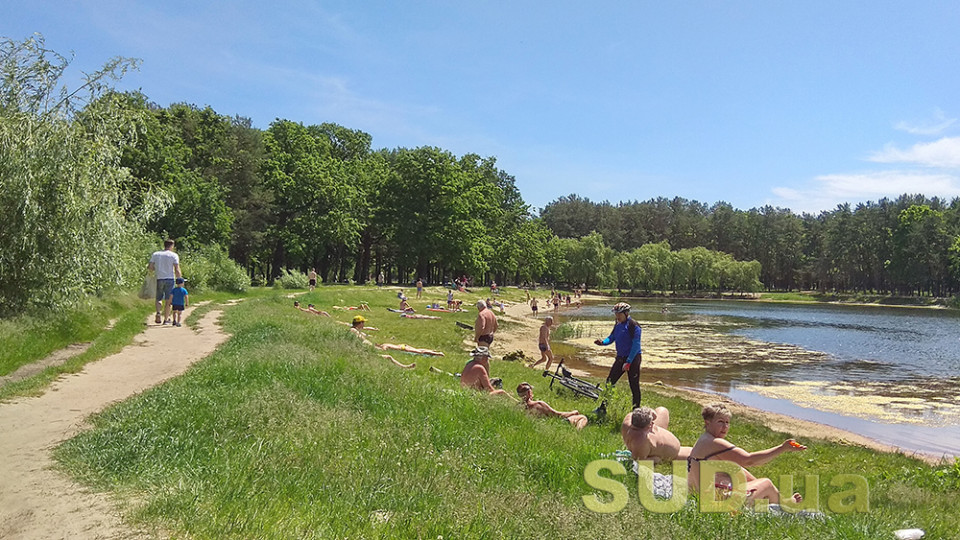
795, 444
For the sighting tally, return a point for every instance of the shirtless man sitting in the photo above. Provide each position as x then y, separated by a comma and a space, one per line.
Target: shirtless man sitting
540, 408
713, 445
476, 374
645, 433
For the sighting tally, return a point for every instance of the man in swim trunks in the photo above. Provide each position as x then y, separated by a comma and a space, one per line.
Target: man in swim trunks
533, 306
485, 325
645, 433
476, 374
713, 445
544, 344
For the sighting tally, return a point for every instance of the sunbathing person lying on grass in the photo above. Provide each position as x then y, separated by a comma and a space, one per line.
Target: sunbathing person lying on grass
713, 445
476, 374
310, 309
540, 408
417, 316
362, 307
408, 349
645, 433
358, 327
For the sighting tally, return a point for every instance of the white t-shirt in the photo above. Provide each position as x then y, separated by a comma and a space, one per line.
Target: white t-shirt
163, 263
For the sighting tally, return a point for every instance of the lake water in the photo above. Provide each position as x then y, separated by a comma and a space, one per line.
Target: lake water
891, 374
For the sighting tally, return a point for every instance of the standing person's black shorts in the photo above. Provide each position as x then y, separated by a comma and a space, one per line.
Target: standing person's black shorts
633, 376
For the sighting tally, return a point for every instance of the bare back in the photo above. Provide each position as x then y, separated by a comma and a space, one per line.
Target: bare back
475, 376
654, 442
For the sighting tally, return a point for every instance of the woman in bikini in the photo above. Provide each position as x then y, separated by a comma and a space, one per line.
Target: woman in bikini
713, 445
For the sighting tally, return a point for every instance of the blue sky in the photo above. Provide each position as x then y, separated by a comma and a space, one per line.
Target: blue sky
802, 105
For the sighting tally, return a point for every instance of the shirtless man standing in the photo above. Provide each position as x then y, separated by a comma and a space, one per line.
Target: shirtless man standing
476, 374
485, 325
546, 355
645, 433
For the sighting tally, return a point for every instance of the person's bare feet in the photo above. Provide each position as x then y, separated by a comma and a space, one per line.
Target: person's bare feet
797, 497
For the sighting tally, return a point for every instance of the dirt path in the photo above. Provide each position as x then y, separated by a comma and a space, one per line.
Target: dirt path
38, 502
57, 358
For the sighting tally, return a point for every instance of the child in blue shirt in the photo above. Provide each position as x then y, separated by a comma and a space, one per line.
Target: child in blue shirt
179, 299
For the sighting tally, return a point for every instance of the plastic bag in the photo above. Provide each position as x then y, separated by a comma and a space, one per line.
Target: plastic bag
148, 290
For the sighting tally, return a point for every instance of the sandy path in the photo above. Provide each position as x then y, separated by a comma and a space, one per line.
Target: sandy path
38, 502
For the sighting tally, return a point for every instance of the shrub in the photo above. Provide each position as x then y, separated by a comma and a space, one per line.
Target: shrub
293, 280
210, 267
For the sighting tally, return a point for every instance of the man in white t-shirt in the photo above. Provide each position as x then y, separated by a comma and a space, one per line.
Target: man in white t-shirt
166, 264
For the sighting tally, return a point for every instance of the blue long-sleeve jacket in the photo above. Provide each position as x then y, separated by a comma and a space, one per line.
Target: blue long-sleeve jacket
626, 346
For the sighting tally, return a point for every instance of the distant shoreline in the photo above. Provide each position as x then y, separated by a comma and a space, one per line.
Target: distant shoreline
759, 298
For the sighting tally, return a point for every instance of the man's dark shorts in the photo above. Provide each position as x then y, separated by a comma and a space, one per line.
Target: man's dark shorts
164, 288
313, 283
486, 338
544, 347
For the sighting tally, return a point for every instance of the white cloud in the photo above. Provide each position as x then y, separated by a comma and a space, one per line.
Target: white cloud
830, 190
943, 153
936, 126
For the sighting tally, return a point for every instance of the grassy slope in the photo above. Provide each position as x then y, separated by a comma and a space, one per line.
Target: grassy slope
294, 429
28, 339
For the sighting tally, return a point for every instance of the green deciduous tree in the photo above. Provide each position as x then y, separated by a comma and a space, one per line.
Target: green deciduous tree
66, 230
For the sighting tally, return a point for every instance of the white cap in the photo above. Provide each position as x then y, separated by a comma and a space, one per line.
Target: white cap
480, 351
481, 304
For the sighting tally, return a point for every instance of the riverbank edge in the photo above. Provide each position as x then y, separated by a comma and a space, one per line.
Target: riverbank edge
522, 335
939, 303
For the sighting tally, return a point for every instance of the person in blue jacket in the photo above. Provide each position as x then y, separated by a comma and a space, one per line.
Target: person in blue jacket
626, 337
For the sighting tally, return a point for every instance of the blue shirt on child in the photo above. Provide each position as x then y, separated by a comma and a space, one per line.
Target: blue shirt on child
179, 295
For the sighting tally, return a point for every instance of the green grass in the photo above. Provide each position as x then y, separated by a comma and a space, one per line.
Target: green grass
27, 339
294, 429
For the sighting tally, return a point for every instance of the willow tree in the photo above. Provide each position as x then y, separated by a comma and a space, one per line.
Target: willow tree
66, 228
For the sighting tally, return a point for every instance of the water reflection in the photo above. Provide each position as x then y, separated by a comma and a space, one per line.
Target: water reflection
881, 366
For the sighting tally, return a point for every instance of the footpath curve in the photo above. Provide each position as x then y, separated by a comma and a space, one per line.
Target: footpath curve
39, 502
